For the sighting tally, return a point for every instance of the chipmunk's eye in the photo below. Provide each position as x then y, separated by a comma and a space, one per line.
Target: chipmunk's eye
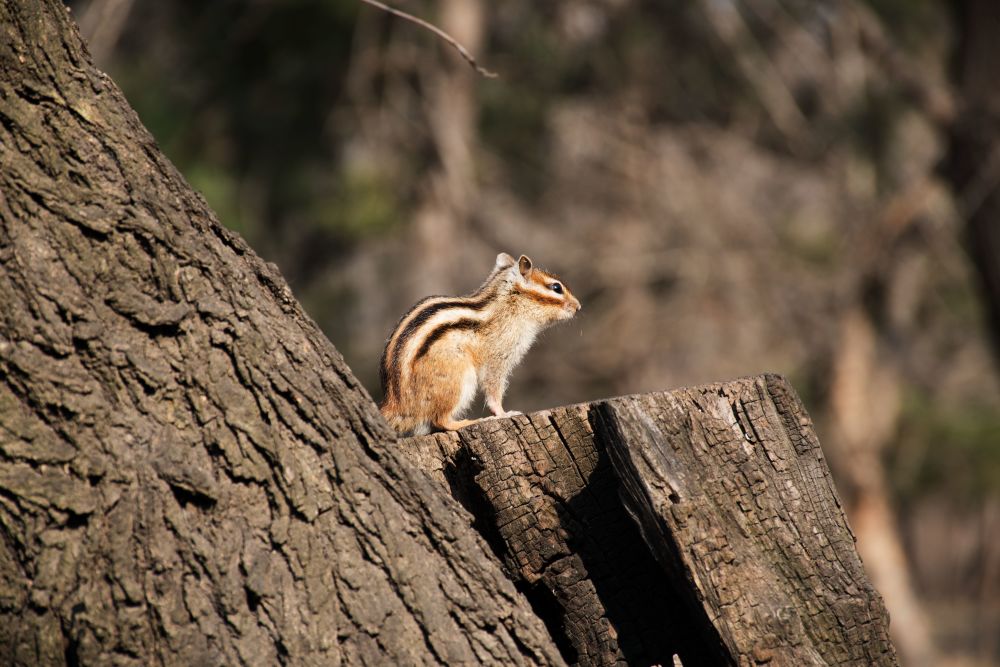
556, 287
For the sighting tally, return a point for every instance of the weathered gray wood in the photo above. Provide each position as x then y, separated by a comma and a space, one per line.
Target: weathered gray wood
189, 474
727, 491
730, 487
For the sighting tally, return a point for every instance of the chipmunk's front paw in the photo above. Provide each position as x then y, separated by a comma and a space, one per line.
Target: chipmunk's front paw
503, 415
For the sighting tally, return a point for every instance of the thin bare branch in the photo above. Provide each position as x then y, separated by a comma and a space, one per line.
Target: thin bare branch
437, 31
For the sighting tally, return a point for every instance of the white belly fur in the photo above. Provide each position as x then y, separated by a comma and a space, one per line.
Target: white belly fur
468, 392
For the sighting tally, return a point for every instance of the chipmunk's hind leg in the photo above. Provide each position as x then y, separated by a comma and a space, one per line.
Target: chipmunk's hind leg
450, 401
454, 424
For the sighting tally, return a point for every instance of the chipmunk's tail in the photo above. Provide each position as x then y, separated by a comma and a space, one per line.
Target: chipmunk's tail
404, 424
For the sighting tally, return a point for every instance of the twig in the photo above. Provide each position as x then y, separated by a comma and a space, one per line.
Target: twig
437, 31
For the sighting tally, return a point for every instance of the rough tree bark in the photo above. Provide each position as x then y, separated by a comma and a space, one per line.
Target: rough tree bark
737, 550
189, 474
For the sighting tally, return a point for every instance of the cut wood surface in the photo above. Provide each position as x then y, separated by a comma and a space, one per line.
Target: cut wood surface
699, 522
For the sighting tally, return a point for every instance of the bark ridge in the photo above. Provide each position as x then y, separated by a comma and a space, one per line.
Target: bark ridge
189, 473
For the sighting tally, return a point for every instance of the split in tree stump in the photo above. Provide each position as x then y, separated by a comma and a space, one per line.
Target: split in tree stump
699, 522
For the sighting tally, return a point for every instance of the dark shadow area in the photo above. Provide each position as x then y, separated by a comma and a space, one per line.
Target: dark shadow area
653, 613
650, 603
460, 472
642, 609
545, 605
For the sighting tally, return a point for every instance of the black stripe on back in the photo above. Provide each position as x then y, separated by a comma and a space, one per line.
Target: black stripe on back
441, 330
389, 367
383, 365
422, 318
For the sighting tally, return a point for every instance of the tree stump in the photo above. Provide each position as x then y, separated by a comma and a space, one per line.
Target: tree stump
699, 522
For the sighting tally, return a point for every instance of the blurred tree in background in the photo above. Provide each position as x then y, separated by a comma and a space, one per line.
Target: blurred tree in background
730, 186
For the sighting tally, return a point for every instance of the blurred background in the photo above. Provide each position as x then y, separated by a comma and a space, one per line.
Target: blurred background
729, 186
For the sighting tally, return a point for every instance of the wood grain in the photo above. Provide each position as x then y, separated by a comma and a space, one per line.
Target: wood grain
701, 522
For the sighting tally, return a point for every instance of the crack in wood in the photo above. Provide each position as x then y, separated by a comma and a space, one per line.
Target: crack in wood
750, 545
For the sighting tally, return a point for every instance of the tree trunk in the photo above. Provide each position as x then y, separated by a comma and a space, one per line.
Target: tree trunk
864, 406
449, 186
736, 552
973, 163
189, 474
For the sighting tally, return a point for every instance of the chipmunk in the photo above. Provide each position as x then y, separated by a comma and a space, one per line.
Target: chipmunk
445, 348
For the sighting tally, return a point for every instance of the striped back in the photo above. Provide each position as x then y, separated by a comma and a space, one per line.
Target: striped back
426, 323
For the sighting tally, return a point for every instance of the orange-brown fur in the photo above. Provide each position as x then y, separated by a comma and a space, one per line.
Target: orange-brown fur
444, 349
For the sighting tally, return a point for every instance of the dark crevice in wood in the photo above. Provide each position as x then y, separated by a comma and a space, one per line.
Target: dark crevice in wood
187, 496
625, 576
696, 640
71, 652
92, 234
460, 473
253, 599
283, 654
164, 330
553, 614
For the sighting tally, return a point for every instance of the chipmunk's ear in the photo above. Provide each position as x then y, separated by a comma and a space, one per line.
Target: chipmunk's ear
504, 261
524, 265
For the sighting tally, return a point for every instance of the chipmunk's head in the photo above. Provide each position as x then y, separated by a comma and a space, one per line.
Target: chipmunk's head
546, 297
